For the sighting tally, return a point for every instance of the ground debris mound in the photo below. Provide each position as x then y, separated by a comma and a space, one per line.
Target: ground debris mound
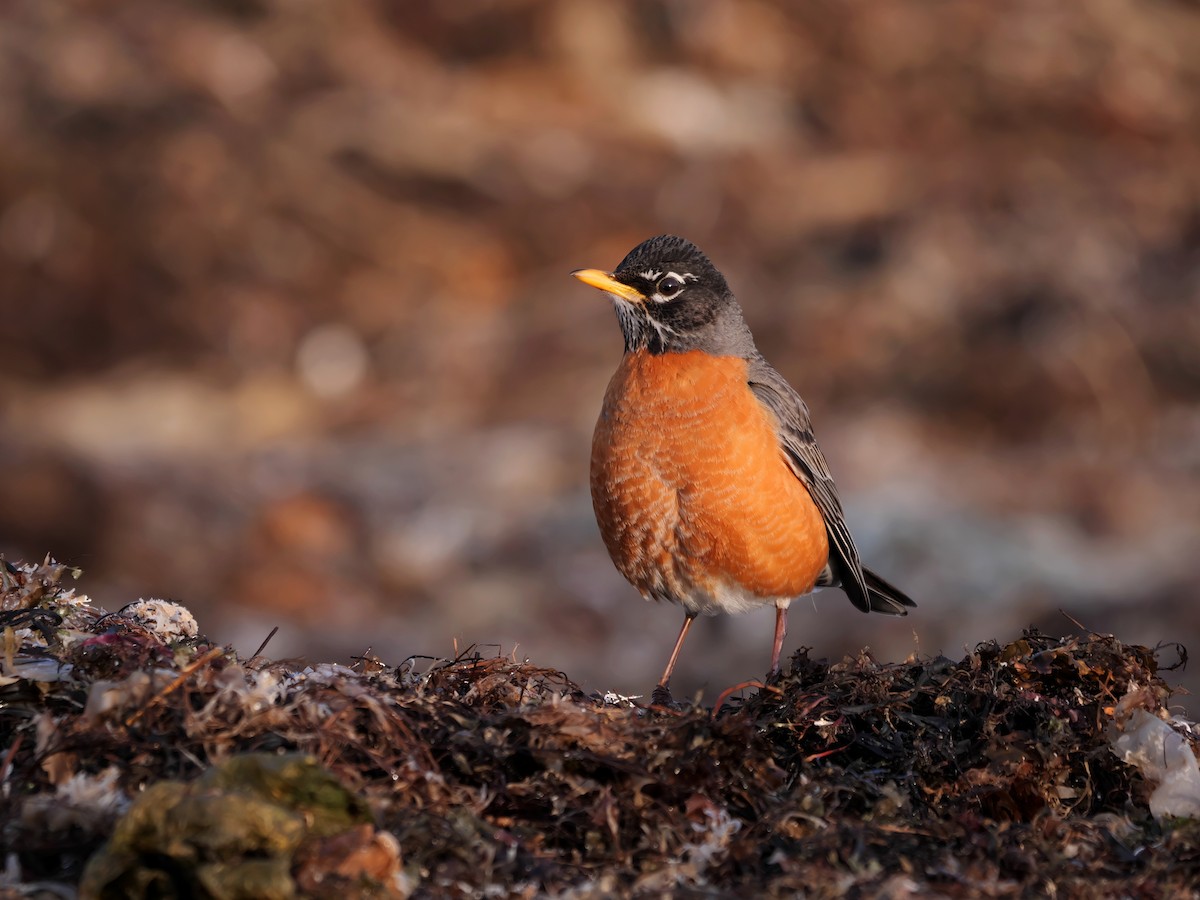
993, 775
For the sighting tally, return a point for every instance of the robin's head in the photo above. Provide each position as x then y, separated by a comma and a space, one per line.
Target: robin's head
669, 299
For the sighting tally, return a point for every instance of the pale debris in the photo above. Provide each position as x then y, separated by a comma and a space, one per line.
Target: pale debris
114, 699
1164, 757
35, 668
612, 698
253, 690
240, 692
71, 597
68, 603
92, 802
325, 674
168, 620
716, 833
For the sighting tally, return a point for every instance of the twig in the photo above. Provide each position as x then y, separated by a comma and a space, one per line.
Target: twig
1070, 618
263, 646
204, 660
7, 766
741, 687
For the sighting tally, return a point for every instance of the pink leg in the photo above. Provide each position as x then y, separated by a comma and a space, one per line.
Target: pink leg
666, 676
780, 631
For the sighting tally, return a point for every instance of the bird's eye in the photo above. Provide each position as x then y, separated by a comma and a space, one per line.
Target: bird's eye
670, 286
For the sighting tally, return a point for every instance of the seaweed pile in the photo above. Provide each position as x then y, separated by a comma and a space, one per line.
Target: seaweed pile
139, 759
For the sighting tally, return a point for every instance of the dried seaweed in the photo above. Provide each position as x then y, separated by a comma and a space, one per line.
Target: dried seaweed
992, 775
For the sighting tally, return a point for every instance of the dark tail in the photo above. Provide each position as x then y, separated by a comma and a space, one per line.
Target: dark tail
885, 597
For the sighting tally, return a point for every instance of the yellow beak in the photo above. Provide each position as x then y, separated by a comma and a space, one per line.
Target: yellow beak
606, 282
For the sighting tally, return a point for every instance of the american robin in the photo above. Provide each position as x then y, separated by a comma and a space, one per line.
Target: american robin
708, 484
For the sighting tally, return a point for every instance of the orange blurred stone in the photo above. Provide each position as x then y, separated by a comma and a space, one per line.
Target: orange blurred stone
305, 526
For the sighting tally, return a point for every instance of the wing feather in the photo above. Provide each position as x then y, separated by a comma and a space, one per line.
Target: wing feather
865, 589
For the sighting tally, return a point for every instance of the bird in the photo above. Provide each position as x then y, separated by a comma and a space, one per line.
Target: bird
707, 482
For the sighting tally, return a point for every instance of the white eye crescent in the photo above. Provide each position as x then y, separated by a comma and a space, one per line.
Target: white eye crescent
670, 286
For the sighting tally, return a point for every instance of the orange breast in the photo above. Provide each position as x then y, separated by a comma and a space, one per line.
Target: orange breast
691, 490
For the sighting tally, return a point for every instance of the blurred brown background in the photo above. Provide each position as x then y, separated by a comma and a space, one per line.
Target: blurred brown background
288, 334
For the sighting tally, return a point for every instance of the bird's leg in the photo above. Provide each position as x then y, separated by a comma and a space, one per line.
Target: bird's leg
662, 691
780, 631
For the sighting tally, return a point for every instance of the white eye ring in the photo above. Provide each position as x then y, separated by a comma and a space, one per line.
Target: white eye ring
670, 286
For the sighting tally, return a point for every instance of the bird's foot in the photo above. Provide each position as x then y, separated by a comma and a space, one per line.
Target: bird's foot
662, 697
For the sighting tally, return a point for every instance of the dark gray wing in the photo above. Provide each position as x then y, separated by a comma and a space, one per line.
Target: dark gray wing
865, 589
